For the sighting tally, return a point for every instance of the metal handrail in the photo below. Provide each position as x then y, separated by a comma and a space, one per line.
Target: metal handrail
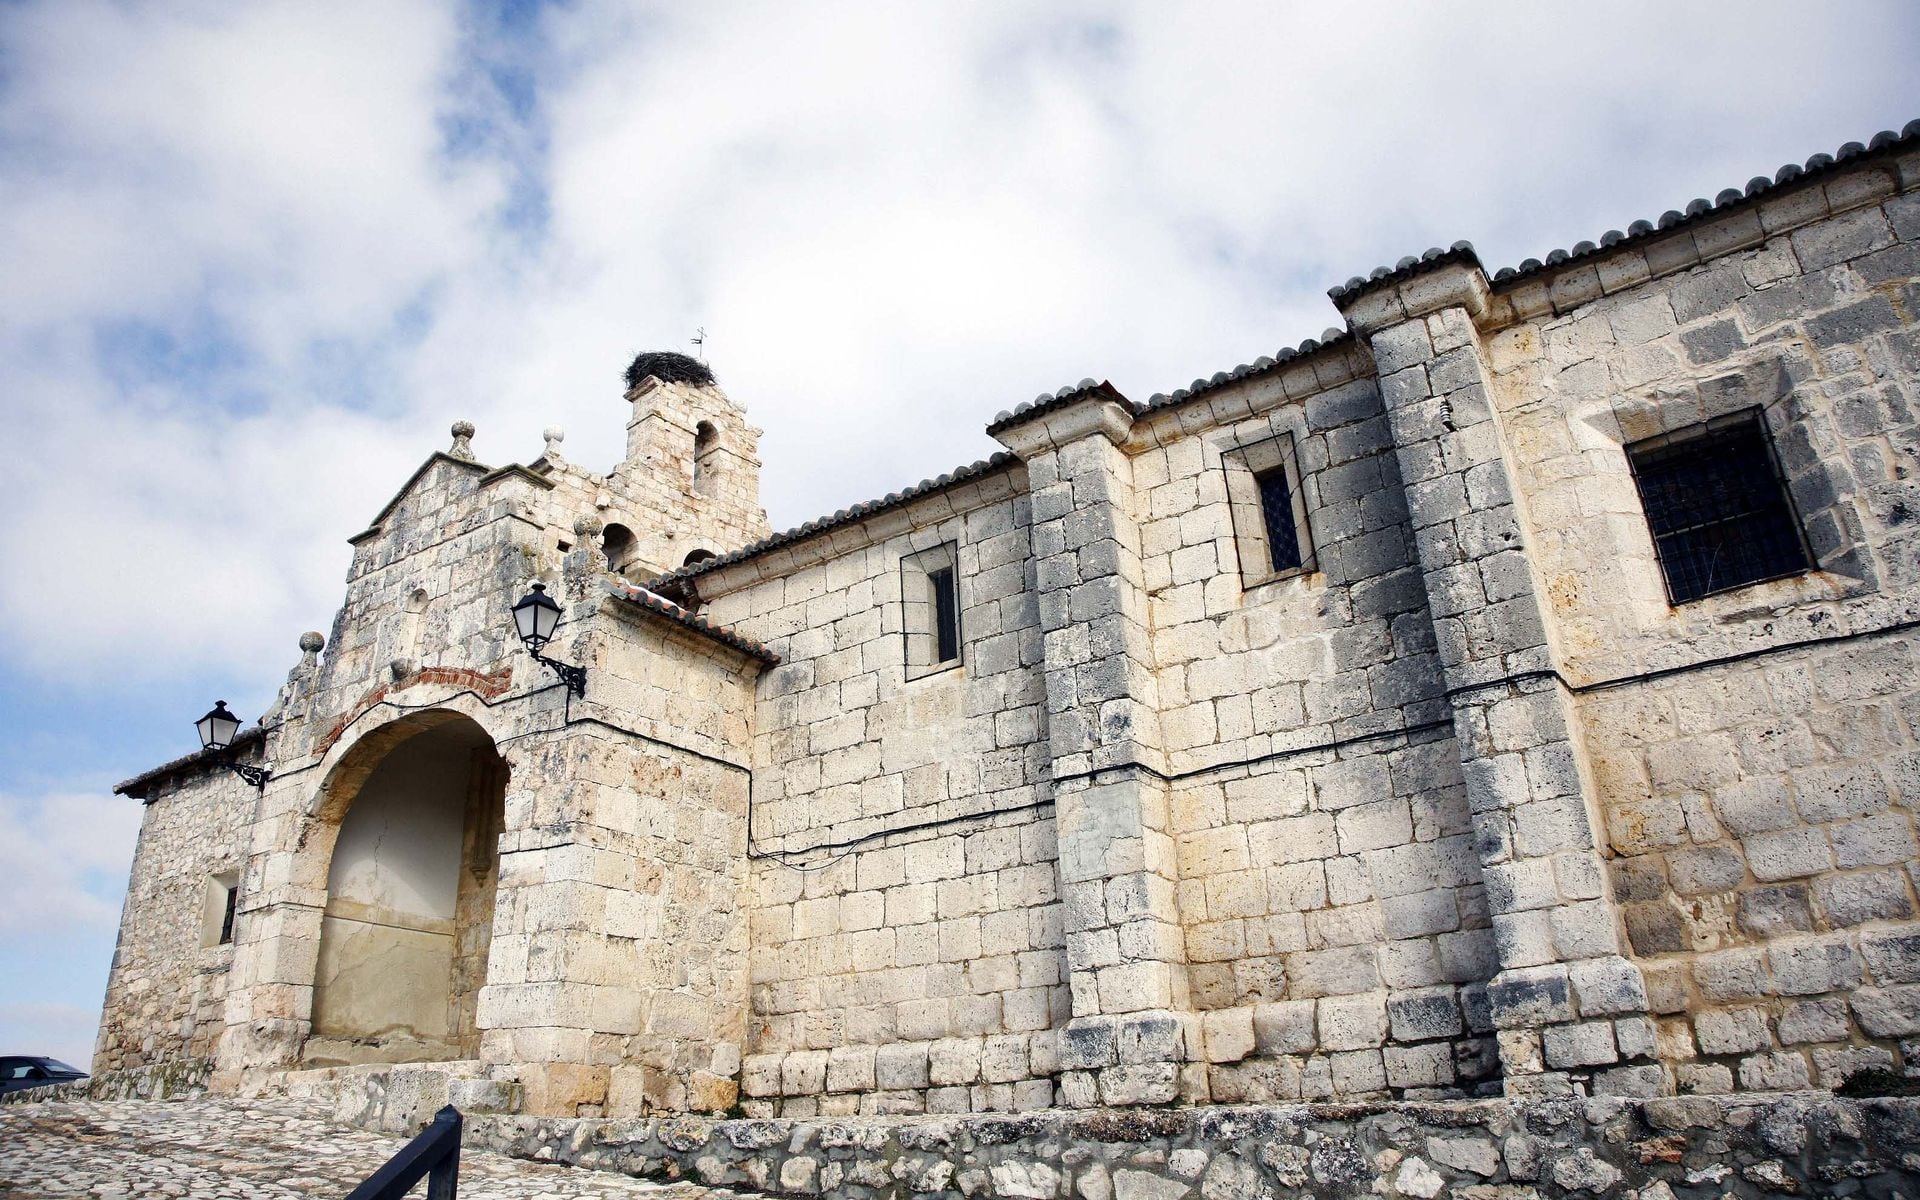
434, 1154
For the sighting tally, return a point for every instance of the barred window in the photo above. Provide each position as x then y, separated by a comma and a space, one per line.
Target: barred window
1276, 509
1717, 507
1269, 518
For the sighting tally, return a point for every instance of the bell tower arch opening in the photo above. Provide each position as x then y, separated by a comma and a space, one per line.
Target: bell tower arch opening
706, 441
410, 896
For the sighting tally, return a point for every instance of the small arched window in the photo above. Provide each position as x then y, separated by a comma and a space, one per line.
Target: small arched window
697, 556
619, 544
706, 440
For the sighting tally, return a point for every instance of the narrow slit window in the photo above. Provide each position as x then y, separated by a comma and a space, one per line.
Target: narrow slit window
946, 616
218, 908
930, 610
1717, 507
226, 916
1276, 510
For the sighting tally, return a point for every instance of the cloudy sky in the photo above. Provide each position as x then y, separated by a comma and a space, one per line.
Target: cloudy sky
254, 260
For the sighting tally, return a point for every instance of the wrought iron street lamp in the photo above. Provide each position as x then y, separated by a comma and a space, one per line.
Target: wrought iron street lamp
217, 730
536, 618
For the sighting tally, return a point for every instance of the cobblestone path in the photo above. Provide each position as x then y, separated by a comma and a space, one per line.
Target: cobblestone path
263, 1150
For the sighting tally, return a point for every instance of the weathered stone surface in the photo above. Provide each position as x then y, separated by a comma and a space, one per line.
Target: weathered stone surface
211, 1149
1421, 788
1469, 1150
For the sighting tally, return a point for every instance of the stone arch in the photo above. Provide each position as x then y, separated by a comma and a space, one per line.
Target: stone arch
620, 547
403, 838
706, 445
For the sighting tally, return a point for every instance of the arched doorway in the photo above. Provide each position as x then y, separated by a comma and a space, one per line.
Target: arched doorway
410, 893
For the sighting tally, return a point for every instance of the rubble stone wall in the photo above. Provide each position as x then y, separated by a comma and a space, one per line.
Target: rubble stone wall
1479, 1150
166, 990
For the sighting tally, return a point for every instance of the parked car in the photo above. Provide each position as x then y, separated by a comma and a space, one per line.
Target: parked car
21, 1071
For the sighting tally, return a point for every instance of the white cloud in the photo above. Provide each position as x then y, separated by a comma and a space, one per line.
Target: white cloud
891, 221
62, 1031
63, 861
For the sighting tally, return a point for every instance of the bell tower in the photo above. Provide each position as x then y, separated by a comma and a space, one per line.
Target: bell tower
691, 463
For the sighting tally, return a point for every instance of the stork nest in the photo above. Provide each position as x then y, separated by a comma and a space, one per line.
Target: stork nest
668, 367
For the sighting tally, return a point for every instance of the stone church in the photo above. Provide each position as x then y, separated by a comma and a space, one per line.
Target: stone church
1510, 691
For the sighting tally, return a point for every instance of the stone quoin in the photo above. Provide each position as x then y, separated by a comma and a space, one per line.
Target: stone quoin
1512, 692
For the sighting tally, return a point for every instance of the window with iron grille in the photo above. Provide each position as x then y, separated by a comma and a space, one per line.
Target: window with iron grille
1276, 511
1270, 529
1717, 507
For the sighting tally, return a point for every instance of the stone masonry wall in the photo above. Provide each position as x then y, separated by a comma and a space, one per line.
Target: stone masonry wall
620, 930
1466, 800
1760, 813
906, 929
1481, 1150
166, 990
1328, 886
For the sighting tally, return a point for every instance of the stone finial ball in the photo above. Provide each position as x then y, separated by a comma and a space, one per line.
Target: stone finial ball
463, 429
588, 526
312, 642
553, 433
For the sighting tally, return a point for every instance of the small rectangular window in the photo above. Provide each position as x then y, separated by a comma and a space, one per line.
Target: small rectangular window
226, 918
1270, 528
946, 616
1276, 508
218, 909
930, 604
1717, 507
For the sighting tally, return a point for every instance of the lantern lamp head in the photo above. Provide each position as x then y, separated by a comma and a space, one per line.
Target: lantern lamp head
217, 727
536, 617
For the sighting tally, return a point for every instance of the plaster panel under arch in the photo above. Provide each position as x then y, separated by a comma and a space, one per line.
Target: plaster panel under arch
409, 904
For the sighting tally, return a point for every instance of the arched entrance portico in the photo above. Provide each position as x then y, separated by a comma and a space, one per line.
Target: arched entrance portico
409, 895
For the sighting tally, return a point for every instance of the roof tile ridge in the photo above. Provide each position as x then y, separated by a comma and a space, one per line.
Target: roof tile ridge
1726, 199
1047, 402
1406, 268
844, 516
1329, 338
651, 600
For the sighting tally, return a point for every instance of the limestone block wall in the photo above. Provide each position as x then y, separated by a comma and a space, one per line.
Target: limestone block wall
1328, 886
1759, 791
166, 989
924, 973
617, 978
906, 925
